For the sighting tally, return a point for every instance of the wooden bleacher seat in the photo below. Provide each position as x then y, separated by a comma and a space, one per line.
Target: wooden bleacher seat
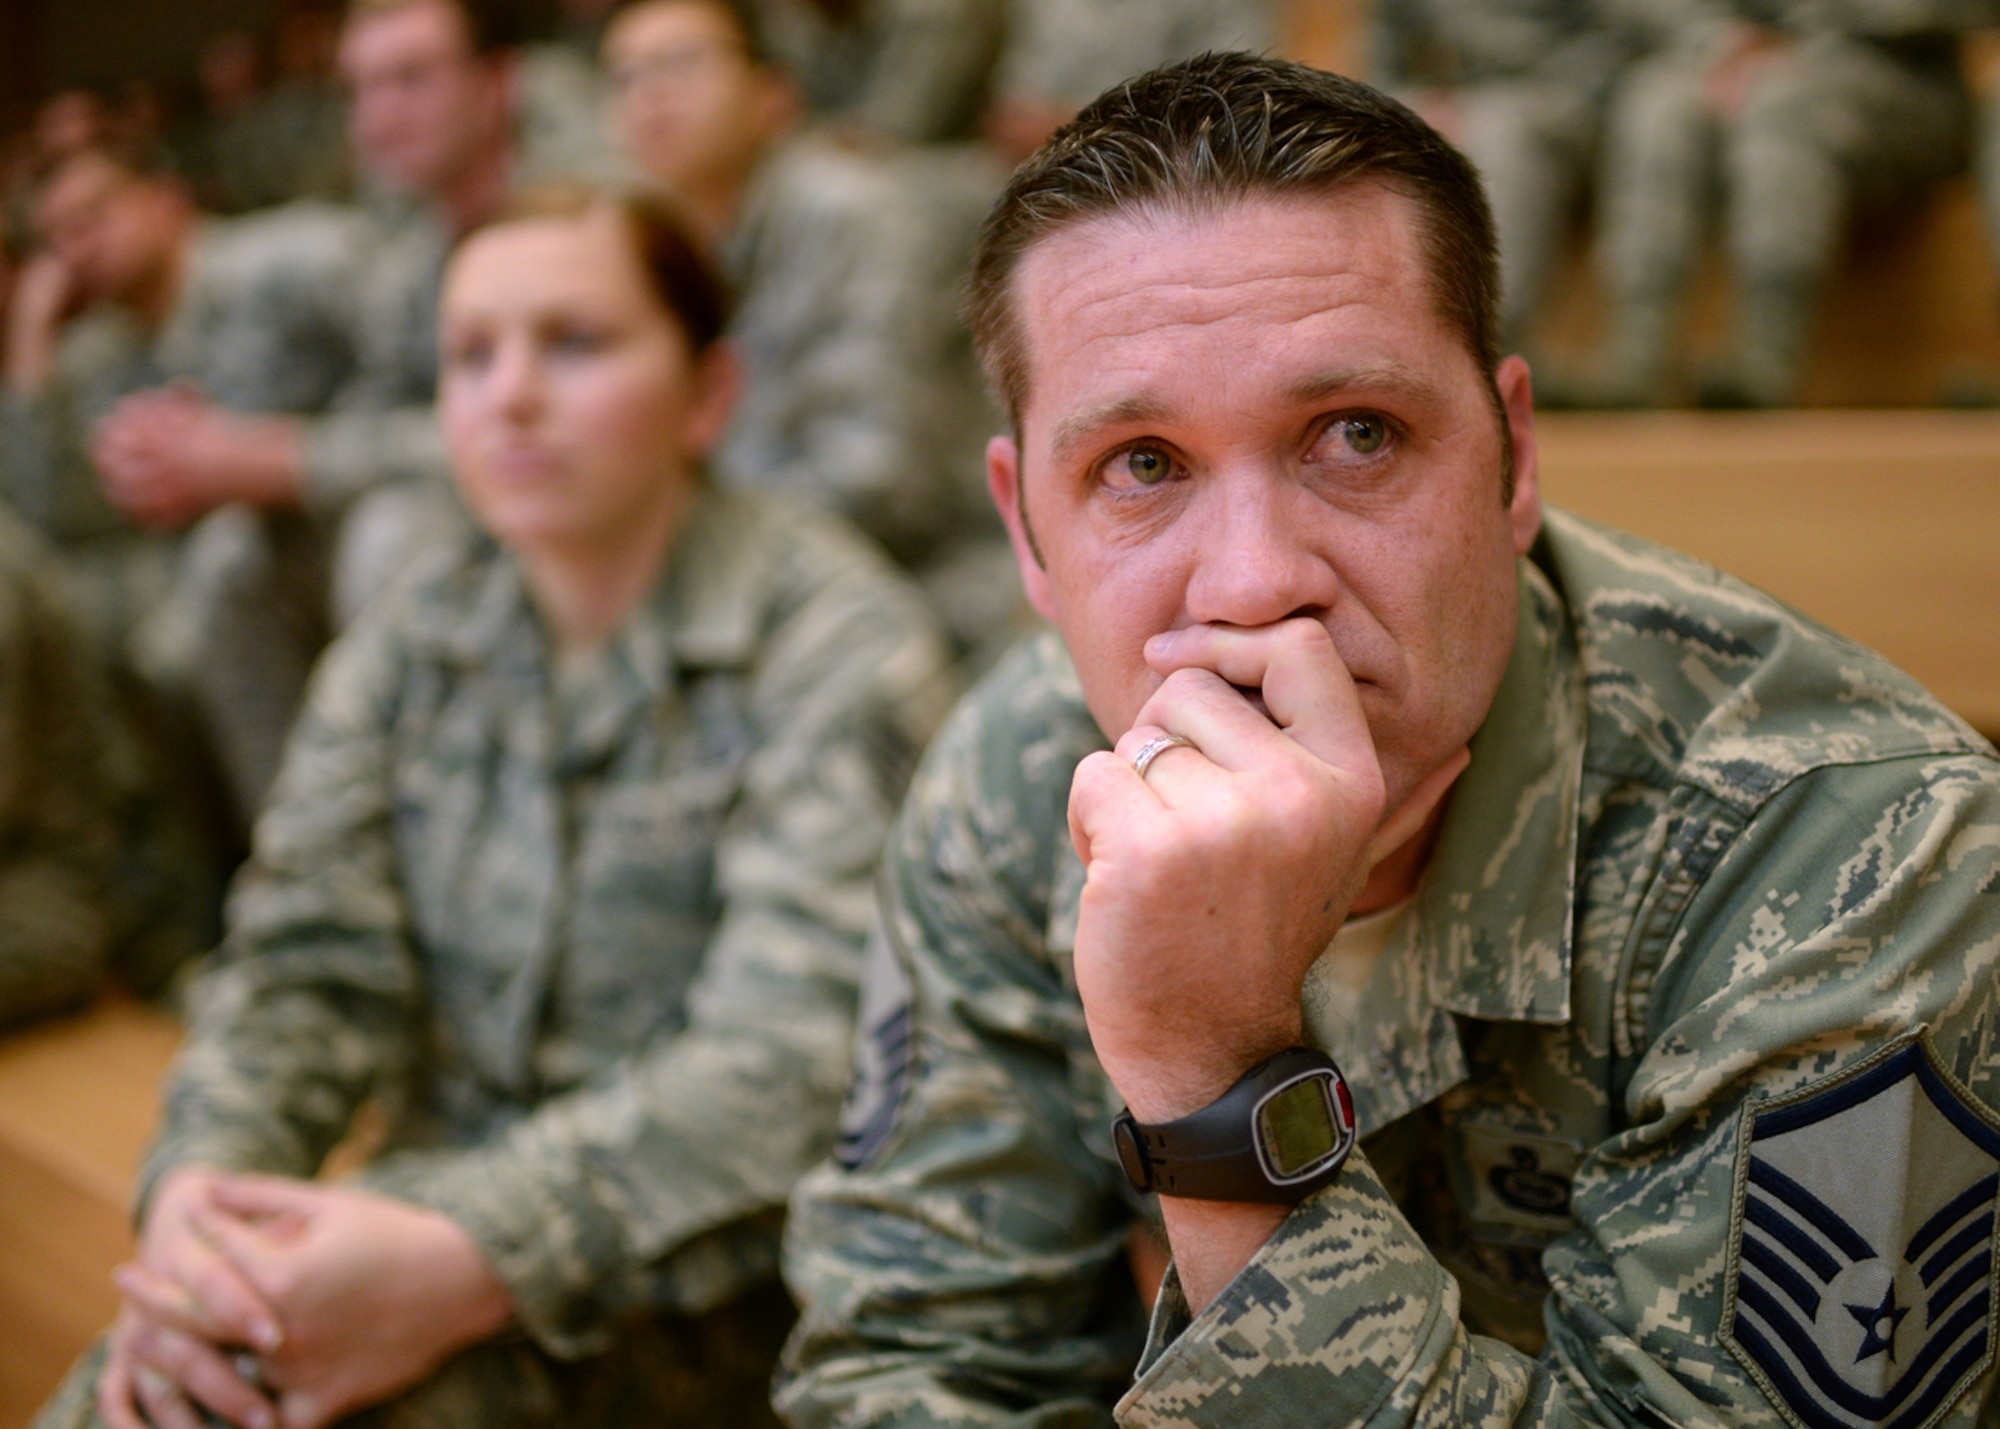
78, 1099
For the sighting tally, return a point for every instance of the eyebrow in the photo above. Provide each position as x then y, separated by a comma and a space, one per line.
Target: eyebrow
1389, 377
1077, 429
1385, 377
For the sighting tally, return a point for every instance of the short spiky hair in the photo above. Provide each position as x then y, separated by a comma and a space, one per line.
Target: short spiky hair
1216, 130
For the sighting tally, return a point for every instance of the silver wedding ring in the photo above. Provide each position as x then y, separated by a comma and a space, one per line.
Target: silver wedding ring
1153, 748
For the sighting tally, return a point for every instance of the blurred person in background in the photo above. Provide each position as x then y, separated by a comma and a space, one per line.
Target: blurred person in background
901, 71
1797, 119
1519, 86
142, 313
571, 864
265, 140
439, 142
1060, 54
229, 79
860, 394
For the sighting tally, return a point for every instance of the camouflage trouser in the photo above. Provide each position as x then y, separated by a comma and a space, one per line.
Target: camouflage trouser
1532, 142
686, 1372
1836, 126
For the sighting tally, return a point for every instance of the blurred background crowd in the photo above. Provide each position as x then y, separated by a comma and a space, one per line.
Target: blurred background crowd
223, 227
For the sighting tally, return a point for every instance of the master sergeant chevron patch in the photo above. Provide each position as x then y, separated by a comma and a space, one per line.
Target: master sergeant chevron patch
1862, 1274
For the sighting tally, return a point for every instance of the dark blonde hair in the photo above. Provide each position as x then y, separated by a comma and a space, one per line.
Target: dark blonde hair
677, 266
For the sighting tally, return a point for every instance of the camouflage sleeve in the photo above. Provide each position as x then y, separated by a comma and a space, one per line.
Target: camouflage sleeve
934, 56
350, 451
312, 999
57, 839
1855, 908
965, 1264
662, 1186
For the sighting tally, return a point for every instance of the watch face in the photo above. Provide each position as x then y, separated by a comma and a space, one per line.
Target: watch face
1300, 1127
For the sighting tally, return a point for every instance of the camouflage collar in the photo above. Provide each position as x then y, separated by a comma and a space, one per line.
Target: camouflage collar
1488, 935
704, 612
1494, 910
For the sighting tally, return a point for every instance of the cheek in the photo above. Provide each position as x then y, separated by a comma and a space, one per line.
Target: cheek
1109, 604
459, 415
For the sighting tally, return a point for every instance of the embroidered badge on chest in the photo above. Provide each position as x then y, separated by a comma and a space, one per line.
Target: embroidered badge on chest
1862, 1271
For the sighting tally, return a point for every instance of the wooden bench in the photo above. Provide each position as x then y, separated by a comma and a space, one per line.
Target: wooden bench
78, 1099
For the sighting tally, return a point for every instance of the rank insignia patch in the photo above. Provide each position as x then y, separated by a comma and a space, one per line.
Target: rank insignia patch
882, 1052
1862, 1281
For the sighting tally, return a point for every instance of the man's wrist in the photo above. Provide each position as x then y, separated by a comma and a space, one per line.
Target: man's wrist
1180, 1076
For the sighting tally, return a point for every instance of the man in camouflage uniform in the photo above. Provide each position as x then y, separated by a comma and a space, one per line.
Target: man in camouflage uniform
593, 937
250, 312
1519, 85
860, 394
1801, 114
1672, 1035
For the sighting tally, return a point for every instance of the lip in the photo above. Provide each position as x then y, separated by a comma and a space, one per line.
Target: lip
524, 464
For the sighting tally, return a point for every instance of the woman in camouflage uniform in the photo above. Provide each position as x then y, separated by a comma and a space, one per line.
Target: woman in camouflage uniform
568, 870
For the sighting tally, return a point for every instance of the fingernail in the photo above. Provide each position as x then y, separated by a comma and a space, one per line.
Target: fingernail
267, 1335
262, 1418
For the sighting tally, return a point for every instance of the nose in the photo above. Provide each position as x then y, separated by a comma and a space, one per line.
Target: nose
515, 383
1257, 550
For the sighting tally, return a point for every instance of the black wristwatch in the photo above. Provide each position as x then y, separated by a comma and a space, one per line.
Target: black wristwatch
1276, 1136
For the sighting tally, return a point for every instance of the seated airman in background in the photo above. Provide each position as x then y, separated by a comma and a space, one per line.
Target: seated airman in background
1791, 117
1519, 86
1060, 53
316, 512
861, 394
904, 71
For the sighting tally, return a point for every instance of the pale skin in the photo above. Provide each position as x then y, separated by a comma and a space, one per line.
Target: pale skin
427, 116
690, 108
574, 412
1264, 478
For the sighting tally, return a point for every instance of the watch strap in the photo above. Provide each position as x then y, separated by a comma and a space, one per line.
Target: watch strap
1215, 1154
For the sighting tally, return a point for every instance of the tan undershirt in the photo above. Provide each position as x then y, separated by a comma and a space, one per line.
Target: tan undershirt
1331, 996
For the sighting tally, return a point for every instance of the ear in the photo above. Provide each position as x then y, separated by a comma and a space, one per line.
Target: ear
717, 381
1517, 399
1003, 481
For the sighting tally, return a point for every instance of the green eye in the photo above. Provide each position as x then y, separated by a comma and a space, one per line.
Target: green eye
1364, 435
1148, 465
